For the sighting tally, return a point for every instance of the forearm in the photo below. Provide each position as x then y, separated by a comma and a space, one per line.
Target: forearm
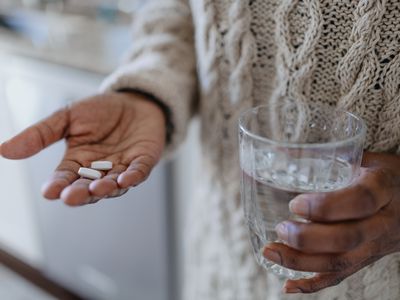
162, 64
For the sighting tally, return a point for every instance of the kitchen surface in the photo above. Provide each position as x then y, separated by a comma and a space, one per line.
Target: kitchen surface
53, 53
13, 286
89, 37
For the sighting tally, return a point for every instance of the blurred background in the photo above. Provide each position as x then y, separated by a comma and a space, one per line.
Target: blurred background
53, 52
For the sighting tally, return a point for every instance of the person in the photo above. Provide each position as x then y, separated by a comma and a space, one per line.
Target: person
215, 59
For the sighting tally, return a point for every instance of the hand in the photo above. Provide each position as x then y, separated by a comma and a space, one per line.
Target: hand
349, 229
126, 129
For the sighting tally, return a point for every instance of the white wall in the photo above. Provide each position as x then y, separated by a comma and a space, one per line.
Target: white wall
186, 166
29, 91
18, 226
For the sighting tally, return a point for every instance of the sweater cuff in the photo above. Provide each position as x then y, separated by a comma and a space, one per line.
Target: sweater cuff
171, 90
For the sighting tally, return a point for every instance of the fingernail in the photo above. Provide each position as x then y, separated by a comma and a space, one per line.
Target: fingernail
272, 255
282, 231
292, 290
299, 206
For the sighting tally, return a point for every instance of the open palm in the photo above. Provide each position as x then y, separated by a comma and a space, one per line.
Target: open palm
126, 129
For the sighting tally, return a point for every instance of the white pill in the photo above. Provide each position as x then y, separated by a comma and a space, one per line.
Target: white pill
102, 165
89, 173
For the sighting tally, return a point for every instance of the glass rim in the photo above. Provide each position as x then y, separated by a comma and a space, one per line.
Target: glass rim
361, 134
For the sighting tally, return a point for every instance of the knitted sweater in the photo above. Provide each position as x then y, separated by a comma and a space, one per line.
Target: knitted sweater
217, 58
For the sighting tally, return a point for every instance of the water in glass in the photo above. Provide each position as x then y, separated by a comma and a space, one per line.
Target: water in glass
268, 189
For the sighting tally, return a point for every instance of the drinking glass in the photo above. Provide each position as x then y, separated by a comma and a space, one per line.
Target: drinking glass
289, 149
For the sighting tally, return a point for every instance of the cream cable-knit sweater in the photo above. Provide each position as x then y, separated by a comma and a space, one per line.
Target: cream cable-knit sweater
242, 53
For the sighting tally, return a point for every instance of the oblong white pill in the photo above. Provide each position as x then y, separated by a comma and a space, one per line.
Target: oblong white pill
89, 173
102, 165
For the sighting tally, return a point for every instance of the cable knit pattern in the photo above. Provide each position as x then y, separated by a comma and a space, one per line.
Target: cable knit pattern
358, 70
336, 53
241, 52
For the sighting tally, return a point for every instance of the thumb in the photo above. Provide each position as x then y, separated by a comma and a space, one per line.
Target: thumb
37, 137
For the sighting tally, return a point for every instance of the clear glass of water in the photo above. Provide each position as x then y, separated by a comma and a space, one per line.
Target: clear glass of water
289, 149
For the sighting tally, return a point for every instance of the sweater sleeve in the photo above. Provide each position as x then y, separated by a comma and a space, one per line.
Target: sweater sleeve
162, 63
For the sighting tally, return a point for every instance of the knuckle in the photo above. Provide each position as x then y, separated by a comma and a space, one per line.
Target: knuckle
383, 176
143, 167
143, 171
336, 280
117, 193
338, 264
291, 262
349, 240
42, 134
387, 183
297, 237
312, 287
315, 286
367, 197
320, 209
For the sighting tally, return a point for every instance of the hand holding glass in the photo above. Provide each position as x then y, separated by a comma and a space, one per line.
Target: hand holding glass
289, 150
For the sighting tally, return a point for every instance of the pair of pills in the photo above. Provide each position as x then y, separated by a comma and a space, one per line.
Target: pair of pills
94, 171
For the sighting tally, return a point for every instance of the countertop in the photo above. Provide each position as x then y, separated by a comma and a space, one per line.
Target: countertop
71, 41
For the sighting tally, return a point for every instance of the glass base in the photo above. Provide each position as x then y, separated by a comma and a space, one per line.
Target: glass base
283, 272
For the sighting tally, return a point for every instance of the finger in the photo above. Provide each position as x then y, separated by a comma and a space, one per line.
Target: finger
323, 280
108, 185
374, 189
315, 284
137, 172
77, 194
37, 137
321, 263
65, 174
334, 238
380, 160
118, 193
